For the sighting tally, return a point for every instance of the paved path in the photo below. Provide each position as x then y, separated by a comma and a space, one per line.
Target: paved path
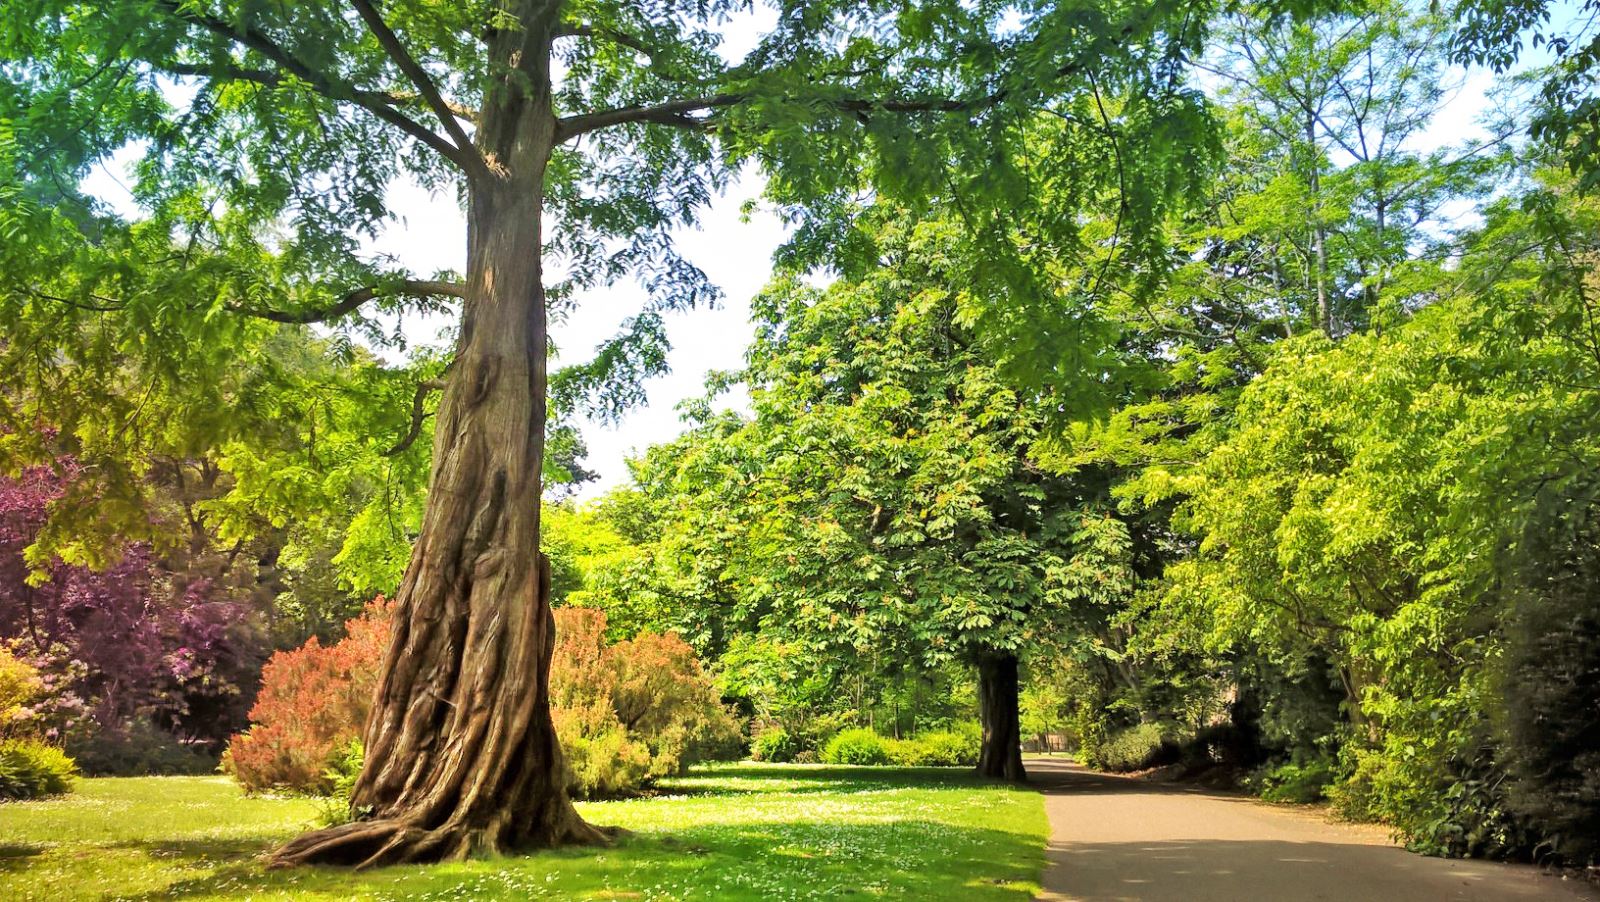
1119, 838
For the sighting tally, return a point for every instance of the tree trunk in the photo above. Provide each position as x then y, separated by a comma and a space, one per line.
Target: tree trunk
1319, 234
461, 754
1001, 754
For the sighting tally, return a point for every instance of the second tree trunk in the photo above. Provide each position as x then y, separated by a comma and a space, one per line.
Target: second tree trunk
1001, 754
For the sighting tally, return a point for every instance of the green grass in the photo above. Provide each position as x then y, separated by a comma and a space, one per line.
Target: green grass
746, 831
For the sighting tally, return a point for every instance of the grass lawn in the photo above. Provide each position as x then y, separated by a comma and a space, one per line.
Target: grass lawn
744, 831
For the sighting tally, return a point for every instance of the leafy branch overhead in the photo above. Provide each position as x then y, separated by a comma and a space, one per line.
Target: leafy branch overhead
651, 119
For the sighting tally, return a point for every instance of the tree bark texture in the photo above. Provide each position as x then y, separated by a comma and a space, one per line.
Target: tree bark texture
461, 755
1000, 756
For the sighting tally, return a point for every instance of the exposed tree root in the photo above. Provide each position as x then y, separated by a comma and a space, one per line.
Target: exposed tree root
386, 841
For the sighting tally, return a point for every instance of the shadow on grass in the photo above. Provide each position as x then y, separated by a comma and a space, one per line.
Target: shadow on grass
804, 778
16, 857
195, 850
752, 832
917, 859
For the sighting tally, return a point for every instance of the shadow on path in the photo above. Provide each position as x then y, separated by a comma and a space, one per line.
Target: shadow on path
1115, 838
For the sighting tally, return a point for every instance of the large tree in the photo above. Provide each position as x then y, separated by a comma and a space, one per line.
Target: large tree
882, 504
269, 133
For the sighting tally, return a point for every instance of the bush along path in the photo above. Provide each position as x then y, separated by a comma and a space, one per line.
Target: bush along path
1124, 838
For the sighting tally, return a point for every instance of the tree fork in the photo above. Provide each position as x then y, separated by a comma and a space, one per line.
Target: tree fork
1000, 756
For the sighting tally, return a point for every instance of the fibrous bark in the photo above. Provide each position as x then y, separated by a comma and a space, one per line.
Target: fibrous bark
1000, 756
461, 754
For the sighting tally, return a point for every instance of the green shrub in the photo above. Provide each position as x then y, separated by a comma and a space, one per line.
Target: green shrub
630, 713
948, 749
1440, 789
138, 748
1547, 686
1296, 782
30, 769
344, 766
774, 745
856, 746
604, 762
944, 748
1135, 748
19, 685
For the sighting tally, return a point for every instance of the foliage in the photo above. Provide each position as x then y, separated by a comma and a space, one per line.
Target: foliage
631, 713
601, 761
861, 746
1138, 747
774, 744
944, 748
173, 640
767, 831
139, 748
19, 685
313, 703
877, 524
627, 714
856, 746
1550, 674
1044, 706
1349, 515
343, 768
1298, 782
30, 769
1497, 33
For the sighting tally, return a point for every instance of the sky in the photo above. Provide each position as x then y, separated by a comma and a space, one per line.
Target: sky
735, 251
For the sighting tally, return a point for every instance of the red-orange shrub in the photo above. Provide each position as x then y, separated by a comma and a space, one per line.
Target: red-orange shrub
625, 714
313, 701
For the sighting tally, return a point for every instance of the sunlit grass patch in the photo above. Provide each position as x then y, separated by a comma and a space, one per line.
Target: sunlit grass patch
743, 831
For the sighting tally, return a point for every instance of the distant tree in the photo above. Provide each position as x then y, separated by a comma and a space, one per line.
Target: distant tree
1500, 34
130, 645
881, 504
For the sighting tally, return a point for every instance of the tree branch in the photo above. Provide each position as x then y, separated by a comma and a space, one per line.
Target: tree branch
272, 78
418, 415
673, 112
353, 301
677, 112
323, 83
390, 42
609, 34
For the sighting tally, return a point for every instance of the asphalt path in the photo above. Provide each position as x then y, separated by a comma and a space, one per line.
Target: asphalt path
1122, 838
